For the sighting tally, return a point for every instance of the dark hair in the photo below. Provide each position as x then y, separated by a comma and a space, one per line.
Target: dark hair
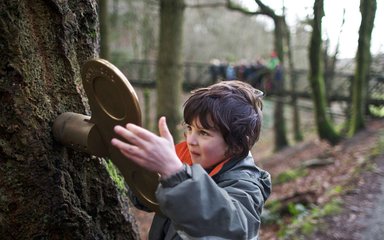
231, 107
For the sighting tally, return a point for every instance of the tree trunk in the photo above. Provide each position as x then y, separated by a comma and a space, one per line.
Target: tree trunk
281, 140
46, 190
363, 60
297, 134
104, 29
169, 68
325, 129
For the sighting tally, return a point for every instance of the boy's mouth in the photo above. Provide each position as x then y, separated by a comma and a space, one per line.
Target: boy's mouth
195, 154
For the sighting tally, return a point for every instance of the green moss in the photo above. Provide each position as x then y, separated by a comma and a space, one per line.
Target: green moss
273, 206
117, 178
335, 191
296, 209
307, 228
379, 148
92, 33
377, 111
306, 220
331, 208
290, 175
271, 212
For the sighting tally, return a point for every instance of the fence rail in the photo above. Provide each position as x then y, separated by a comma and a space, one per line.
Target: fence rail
142, 73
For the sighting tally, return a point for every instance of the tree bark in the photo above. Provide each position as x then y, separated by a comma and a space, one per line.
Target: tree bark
325, 128
297, 134
281, 139
169, 64
363, 61
46, 190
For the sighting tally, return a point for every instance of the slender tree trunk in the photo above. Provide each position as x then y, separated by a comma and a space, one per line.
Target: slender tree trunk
325, 129
297, 134
104, 29
46, 190
330, 67
281, 140
169, 68
115, 14
363, 60
148, 39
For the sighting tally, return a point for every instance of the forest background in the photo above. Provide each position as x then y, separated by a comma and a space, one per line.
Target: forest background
243, 37
238, 38
49, 191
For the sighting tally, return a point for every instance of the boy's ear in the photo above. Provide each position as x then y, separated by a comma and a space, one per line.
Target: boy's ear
235, 150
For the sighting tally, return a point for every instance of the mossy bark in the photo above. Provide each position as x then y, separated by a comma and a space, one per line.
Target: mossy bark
46, 190
280, 130
296, 122
325, 128
169, 64
363, 60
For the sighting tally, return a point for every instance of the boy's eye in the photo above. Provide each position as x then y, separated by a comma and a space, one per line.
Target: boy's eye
203, 133
188, 128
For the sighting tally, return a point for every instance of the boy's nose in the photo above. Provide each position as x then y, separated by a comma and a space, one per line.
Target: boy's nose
191, 139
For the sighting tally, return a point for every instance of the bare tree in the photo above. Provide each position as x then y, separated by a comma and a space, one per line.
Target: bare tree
169, 63
324, 125
104, 29
297, 133
48, 191
363, 61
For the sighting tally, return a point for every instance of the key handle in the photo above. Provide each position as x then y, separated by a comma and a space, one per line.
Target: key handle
113, 101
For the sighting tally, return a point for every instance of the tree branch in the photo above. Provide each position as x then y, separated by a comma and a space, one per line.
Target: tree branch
206, 5
230, 5
266, 10
236, 7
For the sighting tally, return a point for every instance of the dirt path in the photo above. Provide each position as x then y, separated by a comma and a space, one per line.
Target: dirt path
362, 217
375, 221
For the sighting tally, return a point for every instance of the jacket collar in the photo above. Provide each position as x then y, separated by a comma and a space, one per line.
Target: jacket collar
185, 157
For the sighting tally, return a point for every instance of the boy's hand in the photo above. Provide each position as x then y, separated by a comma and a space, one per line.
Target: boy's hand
154, 153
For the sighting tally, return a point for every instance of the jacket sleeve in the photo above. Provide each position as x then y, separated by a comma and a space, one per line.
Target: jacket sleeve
200, 208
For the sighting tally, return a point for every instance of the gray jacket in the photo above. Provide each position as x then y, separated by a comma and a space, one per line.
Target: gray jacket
227, 205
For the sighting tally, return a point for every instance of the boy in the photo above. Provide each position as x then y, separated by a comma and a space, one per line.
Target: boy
210, 187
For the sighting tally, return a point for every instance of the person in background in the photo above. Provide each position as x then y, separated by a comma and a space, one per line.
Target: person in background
230, 72
274, 61
277, 74
214, 70
210, 187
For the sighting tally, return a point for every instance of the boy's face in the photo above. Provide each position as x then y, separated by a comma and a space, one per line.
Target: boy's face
207, 146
